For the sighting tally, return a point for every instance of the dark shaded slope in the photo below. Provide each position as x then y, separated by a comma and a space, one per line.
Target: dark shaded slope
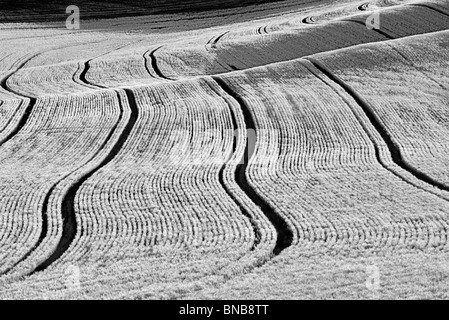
54, 10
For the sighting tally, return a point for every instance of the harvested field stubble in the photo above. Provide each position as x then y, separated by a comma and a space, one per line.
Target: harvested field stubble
242, 50
150, 203
61, 136
351, 206
272, 151
411, 104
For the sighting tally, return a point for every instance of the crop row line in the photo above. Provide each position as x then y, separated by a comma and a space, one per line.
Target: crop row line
31, 101
68, 202
284, 233
155, 66
429, 7
394, 150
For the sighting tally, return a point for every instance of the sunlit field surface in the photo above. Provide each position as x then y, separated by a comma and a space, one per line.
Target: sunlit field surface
224, 149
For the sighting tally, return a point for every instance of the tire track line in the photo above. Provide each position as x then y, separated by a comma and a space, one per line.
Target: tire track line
30, 101
67, 205
238, 176
284, 233
423, 5
309, 20
22, 120
155, 66
364, 7
68, 202
393, 148
82, 77
215, 42
209, 48
146, 62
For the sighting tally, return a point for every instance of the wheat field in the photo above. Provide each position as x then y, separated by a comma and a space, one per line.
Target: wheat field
225, 150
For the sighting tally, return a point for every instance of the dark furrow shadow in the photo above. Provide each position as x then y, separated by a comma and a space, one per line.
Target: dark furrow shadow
394, 149
423, 5
385, 34
84, 80
284, 233
238, 174
23, 120
256, 231
86, 68
146, 62
155, 66
83, 76
68, 202
364, 6
208, 44
215, 42
19, 127
67, 205
29, 108
309, 20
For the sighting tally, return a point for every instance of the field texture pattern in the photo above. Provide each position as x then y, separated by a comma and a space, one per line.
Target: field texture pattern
253, 150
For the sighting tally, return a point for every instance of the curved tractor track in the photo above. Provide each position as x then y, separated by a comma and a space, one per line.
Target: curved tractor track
155, 65
27, 99
310, 20
285, 234
68, 202
67, 205
129, 115
395, 152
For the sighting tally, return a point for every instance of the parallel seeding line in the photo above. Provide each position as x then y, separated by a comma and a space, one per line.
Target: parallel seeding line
285, 235
393, 148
